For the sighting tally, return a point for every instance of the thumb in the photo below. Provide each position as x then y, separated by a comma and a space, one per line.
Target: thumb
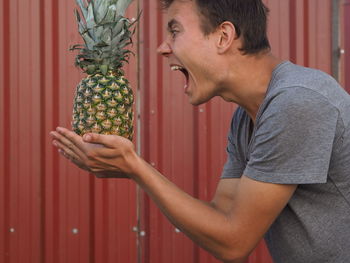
95, 138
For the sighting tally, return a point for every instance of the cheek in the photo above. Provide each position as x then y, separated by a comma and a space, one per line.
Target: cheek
203, 74
179, 44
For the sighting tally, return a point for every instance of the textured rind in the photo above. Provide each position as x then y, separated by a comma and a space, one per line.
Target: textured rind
103, 104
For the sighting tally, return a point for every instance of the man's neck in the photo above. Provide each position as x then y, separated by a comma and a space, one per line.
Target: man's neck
247, 83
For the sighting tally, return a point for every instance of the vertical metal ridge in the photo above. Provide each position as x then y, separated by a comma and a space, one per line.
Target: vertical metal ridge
6, 121
335, 39
196, 171
139, 142
209, 142
54, 67
92, 221
159, 89
306, 33
292, 30
145, 140
146, 81
14, 127
43, 124
105, 208
2, 135
346, 7
196, 190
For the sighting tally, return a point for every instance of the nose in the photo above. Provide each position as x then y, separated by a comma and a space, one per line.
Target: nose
164, 49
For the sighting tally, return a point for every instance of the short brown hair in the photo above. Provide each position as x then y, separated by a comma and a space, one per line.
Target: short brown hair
248, 16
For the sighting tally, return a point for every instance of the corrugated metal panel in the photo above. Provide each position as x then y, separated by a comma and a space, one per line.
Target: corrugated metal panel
300, 30
21, 222
187, 143
50, 211
4, 163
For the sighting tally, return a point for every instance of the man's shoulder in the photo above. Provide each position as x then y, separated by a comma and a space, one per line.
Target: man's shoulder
311, 83
292, 75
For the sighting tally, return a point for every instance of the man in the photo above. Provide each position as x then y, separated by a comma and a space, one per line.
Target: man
287, 175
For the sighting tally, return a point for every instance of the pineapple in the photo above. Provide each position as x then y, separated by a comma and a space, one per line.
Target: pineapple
103, 100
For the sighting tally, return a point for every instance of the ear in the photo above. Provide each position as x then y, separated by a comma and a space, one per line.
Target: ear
226, 36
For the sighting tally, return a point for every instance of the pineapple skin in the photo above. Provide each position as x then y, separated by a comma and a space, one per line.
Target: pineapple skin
103, 104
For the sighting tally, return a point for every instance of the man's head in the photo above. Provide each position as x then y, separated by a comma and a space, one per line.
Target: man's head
216, 44
248, 16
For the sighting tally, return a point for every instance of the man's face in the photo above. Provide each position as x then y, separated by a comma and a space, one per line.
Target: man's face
190, 51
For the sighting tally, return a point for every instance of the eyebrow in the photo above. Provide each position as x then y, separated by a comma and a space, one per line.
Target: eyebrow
171, 23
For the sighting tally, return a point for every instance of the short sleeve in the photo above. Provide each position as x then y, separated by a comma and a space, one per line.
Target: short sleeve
293, 138
233, 167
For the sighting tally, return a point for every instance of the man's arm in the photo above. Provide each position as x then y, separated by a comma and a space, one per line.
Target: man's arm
233, 224
229, 227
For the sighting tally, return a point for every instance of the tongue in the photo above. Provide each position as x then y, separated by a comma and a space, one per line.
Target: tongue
185, 72
186, 82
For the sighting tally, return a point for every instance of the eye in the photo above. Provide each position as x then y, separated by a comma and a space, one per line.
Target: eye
173, 32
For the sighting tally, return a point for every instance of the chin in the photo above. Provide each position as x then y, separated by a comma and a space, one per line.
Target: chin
196, 102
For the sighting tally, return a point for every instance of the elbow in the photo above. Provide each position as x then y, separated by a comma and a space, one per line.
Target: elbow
231, 255
231, 259
230, 245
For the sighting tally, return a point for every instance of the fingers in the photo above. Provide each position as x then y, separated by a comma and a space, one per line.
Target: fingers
70, 155
73, 146
66, 145
66, 152
72, 139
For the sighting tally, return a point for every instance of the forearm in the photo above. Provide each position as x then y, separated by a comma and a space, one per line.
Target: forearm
207, 226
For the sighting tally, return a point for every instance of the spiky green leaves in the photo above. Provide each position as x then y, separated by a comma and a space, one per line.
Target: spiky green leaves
82, 4
106, 34
103, 9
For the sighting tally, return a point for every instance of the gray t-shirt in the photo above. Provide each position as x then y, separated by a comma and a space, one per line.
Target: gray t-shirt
301, 136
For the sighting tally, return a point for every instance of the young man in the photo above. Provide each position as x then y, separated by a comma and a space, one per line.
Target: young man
287, 175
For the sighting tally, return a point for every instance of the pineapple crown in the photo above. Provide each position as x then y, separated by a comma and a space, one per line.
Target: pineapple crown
106, 34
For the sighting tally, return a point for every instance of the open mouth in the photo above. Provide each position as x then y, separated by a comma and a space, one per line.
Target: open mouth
184, 71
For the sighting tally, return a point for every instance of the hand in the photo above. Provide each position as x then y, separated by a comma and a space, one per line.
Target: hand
106, 156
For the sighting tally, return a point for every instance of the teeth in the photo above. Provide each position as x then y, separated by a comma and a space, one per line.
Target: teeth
175, 68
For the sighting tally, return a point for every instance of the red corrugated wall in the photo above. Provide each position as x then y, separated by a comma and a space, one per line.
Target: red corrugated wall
52, 212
